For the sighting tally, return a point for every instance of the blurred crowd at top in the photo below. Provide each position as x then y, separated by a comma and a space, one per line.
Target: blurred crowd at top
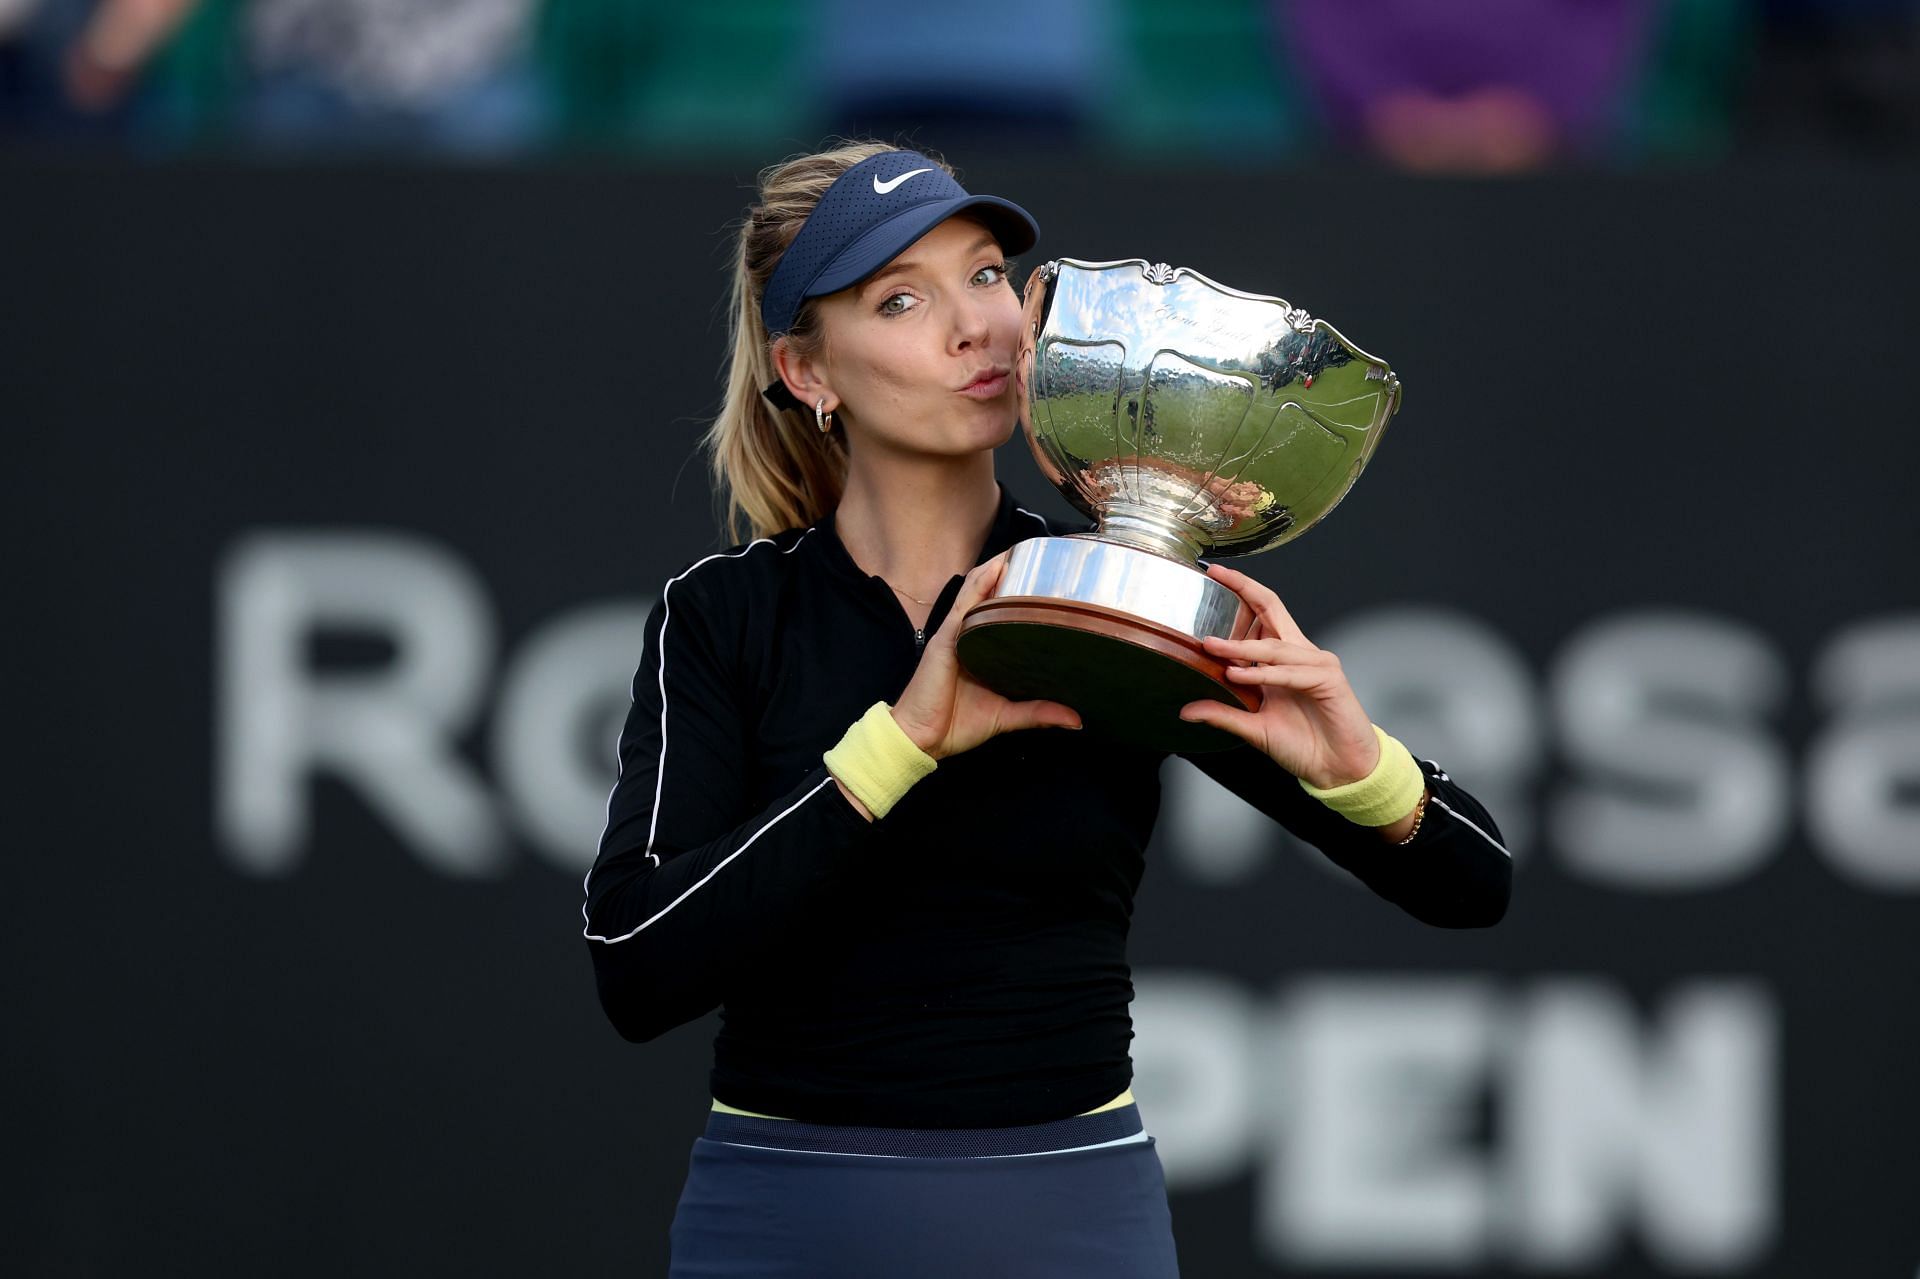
1473, 86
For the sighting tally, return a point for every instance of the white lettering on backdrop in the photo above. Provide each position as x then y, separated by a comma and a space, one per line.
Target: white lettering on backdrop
1460, 1121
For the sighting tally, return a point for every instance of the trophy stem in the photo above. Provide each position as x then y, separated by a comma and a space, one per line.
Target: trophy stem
1149, 530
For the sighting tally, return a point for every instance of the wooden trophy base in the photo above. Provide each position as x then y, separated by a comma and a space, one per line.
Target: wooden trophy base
1128, 677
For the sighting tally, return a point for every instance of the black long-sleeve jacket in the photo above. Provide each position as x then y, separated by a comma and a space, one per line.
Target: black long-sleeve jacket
961, 962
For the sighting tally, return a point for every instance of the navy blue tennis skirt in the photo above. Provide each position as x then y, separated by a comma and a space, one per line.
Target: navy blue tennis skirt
779, 1199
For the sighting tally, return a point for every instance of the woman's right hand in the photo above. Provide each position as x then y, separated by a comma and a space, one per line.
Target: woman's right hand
944, 709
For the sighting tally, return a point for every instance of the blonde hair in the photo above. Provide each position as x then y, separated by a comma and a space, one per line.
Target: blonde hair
776, 469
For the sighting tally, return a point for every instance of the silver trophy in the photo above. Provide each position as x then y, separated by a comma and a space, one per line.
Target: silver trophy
1186, 419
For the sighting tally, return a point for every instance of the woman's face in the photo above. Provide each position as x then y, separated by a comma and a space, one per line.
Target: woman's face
919, 357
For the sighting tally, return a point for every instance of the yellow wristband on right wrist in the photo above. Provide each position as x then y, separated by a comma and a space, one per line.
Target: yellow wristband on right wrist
1383, 796
877, 761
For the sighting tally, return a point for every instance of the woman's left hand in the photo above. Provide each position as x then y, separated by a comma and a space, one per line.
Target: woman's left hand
1309, 721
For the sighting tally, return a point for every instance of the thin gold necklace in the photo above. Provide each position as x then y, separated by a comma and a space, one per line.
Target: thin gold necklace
915, 598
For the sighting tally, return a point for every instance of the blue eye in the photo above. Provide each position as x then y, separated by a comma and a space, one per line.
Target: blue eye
907, 300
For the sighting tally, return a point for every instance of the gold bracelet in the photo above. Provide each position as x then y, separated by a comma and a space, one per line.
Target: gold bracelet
1419, 815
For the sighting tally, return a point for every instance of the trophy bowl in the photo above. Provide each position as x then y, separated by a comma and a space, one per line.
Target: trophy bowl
1185, 418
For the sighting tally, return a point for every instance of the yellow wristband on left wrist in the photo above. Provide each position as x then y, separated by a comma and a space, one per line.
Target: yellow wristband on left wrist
1383, 796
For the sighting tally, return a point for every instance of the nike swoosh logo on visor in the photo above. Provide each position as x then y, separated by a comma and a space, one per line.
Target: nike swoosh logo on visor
882, 188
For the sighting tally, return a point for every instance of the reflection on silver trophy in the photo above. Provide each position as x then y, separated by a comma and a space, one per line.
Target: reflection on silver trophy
1187, 419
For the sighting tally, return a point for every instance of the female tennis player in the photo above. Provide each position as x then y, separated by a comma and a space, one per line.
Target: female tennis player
907, 896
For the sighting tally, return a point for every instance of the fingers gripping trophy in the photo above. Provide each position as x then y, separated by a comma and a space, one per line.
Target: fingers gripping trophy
1187, 419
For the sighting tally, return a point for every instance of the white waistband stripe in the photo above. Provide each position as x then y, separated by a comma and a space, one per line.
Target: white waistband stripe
1132, 1140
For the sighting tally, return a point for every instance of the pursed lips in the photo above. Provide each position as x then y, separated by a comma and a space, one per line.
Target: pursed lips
986, 384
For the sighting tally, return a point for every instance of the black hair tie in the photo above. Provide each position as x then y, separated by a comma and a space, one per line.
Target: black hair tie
777, 394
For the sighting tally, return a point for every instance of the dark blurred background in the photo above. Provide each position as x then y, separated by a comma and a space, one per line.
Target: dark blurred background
355, 353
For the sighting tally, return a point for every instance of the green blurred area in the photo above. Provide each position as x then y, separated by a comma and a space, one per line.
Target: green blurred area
1209, 79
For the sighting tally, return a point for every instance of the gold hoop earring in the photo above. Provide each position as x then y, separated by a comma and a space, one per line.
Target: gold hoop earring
821, 419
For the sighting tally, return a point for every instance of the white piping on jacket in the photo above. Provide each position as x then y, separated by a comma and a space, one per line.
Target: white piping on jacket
717, 868
1435, 799
1044, 526
660, 767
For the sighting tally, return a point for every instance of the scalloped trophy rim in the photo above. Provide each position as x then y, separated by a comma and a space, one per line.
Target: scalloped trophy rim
1175, 272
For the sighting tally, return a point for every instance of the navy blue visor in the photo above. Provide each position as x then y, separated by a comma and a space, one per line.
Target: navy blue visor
869, 215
